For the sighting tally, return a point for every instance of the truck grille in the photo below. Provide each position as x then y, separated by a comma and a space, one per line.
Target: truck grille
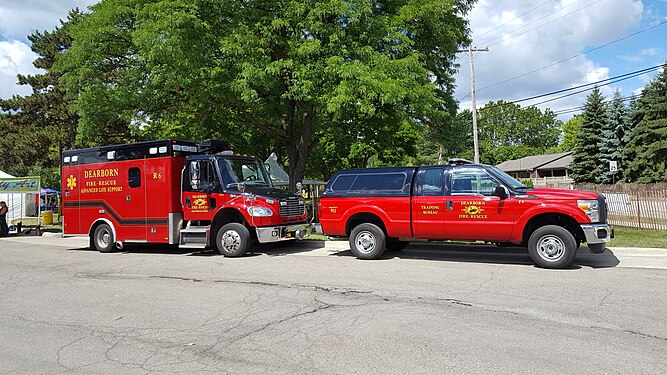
290, 207
602, 204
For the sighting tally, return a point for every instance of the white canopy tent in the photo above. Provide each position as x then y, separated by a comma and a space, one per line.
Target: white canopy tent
19, 204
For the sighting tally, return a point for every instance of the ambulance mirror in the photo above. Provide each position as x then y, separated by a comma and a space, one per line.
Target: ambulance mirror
241, 187
268, 167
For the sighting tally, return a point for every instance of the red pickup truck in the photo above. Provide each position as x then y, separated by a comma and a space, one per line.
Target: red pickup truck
385, 208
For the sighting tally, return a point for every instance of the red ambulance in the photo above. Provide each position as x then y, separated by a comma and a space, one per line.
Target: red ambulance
175, 192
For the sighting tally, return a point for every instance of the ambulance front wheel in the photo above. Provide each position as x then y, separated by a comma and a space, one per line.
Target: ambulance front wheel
103, 240
232, 240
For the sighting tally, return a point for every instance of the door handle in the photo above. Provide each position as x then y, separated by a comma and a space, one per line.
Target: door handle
188, 204
449, 205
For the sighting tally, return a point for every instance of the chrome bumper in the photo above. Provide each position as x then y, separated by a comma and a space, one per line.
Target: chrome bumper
282, 233
598, 233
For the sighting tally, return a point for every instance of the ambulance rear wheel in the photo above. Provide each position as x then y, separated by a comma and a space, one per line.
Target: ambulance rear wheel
103, 240
232, 240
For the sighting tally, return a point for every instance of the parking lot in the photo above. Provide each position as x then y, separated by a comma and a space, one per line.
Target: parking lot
313, 308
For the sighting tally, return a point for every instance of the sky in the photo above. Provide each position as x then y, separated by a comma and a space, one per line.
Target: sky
535, 47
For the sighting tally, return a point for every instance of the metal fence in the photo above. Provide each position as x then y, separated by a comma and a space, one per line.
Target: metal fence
634, 205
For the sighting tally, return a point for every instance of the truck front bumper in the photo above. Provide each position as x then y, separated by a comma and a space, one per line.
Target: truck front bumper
282, 232
317, 227
597, 236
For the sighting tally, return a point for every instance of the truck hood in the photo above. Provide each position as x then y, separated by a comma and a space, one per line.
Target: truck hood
560, 194
268, 192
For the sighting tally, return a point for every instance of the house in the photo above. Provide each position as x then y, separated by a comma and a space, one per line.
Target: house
551, 170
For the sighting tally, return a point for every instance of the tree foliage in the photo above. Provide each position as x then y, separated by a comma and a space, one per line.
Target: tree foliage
35, 129
611, 142
507, 131
281, 75
647, 146
586, 157
571, 130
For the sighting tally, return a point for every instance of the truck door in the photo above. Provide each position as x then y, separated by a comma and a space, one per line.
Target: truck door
428, 203
200, 188
134, 225
472, 212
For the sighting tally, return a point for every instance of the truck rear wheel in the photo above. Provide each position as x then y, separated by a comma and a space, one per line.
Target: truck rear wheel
232, 240
367, 241
552, 246
103, 240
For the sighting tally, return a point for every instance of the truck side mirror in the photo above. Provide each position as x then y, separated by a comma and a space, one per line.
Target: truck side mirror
241, 187
501, 192
268, 167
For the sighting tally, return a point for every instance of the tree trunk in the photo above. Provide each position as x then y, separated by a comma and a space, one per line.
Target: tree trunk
298, 151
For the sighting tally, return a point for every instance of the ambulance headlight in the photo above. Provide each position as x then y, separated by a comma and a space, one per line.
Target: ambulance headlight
259, 211
591, 208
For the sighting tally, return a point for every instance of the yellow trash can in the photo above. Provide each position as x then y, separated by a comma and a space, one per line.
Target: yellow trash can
47, 217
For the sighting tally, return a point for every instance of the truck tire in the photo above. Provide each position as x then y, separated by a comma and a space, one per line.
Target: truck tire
396, 245
367, 241
552, 246
103, 240
232, 240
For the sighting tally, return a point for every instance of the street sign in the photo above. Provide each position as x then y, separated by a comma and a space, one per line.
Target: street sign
613, 166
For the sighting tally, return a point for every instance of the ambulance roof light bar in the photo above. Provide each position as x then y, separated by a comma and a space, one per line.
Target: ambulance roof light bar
211, 146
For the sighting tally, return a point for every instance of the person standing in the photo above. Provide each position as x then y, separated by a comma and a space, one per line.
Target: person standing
4, 230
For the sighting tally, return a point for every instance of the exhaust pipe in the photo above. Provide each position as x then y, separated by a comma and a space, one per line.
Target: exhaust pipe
119, 245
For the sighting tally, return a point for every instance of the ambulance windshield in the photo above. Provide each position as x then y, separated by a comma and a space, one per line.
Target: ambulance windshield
246, 170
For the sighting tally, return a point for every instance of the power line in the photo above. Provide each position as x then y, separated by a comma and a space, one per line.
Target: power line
579, 108
575, 56
628, 75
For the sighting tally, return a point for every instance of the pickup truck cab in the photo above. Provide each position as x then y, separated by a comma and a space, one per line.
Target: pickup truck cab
385, 208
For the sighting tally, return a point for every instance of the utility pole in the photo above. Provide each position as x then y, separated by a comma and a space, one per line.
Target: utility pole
474, 101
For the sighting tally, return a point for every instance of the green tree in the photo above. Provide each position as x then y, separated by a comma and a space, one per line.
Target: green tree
611, 144
36, 128
647, 144
298, 73
586, 157
507, 131
571, 135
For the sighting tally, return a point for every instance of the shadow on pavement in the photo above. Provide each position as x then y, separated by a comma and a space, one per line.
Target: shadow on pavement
488, 254
271, 249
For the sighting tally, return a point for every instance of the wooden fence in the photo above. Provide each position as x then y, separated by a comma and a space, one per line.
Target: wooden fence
634, 205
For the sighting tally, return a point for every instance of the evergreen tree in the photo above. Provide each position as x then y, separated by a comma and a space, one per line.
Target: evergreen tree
648, 140
613, 133
586, 157
36, 128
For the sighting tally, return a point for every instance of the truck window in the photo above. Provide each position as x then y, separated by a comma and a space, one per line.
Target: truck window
134, 177
343, 182
202, 175
472, 181
430, 182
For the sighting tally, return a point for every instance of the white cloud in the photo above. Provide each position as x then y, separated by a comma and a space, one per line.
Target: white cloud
15, 57
544, 39
19, 18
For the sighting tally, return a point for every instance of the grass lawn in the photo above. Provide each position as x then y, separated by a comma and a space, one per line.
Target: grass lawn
631, 237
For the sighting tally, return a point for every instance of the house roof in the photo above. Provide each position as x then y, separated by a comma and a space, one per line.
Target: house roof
530, 163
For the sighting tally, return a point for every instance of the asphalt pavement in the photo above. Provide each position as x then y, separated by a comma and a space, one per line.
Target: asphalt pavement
312, 307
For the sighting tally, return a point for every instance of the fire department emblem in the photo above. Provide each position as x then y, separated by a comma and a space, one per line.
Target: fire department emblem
199, 202
71, 182
473, 210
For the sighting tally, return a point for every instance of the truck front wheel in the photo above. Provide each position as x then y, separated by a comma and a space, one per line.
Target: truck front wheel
367, 241
552, 246
232, 240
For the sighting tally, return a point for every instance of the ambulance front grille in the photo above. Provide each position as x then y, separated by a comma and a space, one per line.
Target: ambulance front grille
290, 208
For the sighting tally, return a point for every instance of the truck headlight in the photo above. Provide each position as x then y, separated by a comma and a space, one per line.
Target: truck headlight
259, 211
591, 208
